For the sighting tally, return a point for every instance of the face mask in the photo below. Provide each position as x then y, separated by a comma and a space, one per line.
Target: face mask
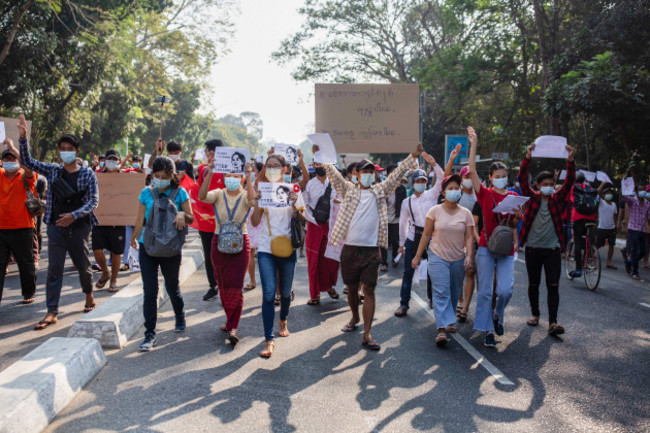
452, 195
273, 174
286, 178
147, 170
232, 183
320, 171
500, 183
517, 184
547, 190
175, 157
252, 177
68, 157
10, 166
136, 165
467, 183
609, 197
419, 187
160, 183
642, 194
101, 164
111, 165
367, 179
354, 180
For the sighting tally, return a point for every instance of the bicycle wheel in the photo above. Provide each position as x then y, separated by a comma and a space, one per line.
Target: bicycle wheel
591, 269
569, 259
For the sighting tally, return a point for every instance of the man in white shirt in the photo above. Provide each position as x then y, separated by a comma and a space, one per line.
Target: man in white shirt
322, 271
411, 224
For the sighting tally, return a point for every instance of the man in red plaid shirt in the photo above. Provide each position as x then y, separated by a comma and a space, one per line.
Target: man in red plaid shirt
543, 236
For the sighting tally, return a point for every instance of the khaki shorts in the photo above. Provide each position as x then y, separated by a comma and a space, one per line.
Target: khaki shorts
360, 265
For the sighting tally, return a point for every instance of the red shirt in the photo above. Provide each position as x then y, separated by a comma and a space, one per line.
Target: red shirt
13, 213
204, 212
488, 199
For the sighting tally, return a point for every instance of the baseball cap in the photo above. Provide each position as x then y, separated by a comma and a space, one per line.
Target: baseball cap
112, 153
365, 164
7, 152
378, 168
418, 174
464, 171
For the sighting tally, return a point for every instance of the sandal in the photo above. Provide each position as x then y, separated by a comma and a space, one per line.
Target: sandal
89, 308
636, 277
124, 267
533, 321
611, 267
441, 340
113, 289
333, 294
29, 300
268, 349
45, 323
462, 317
313, 302
276, 301
450, 329
233, 338
284, 332
102, 282
555, 329
349, 327
370, 345
249, 286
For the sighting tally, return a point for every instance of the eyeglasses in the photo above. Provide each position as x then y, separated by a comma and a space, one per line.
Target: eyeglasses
273, 166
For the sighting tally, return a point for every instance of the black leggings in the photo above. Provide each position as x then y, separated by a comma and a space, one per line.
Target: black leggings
551, 260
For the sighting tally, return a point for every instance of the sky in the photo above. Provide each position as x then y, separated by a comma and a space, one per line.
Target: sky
247, 79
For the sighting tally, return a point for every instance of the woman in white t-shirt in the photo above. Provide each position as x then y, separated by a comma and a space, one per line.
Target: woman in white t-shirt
606, 231
276, 258
452, 228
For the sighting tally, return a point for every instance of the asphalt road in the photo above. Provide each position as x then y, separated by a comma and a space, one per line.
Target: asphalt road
595, 379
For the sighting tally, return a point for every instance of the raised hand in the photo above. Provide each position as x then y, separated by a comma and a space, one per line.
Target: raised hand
22, 126
160, 147
300, 155
471, 136
454, 153
10, 146
529, 151
248, 169
271, 151
418, 151
429, 159
570, 150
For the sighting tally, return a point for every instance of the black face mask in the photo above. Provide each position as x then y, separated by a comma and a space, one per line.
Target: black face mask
320, 171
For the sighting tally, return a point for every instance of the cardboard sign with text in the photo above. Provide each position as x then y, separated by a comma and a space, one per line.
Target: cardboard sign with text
118, 198
11, 129
369, 118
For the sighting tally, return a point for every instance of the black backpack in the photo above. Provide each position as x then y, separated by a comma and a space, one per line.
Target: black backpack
585, 199
321, 212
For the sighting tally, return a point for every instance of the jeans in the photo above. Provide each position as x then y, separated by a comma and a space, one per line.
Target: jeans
638, 248
269, 265
128, 231
551, 260
74, 241
447, 280
407, 279
19, 243
206, 242
169, 266
486, 264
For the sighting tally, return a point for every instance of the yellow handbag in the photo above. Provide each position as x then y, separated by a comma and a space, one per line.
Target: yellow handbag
280, 245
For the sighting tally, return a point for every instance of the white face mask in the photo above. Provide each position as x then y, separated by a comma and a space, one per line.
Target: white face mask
10, 166
467, 183
354, 180
419, 187
174, 157
500, 183
367, 179
111, 165
547, 190
273, 174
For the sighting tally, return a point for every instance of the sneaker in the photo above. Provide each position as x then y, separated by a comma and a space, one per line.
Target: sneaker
489, 341
401, 311
180, 325
211, 294
148, 343
498, 328
575, 274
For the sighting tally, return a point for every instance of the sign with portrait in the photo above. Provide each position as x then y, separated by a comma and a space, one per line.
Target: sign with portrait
230, 160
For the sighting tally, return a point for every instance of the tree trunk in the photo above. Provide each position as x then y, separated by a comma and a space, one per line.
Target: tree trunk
14, 28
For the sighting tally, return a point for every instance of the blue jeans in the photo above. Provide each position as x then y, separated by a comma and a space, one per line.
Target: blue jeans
486, 263
127, 244
447, 280
638, 242
269, 265
407, 279
169, 267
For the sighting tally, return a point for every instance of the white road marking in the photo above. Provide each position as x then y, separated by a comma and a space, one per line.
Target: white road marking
644, 304
480, 359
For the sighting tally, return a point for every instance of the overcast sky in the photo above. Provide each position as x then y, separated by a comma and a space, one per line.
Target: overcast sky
248, 80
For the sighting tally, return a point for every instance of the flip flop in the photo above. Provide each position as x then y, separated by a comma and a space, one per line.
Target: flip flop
313, 302
113, 289
555, 329
28, 300
333, 294
124, 267
102, 282
534, 321
249, 286
462, 317
611, 267
268, 353
371, 345
45, 323
89, 308
441, 340
349, 327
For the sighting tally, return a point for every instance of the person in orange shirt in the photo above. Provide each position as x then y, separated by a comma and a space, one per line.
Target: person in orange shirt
16, 224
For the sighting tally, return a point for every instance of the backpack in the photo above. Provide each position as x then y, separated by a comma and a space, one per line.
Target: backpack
231, 236
585, 199
501, 241
322, 211
161, 238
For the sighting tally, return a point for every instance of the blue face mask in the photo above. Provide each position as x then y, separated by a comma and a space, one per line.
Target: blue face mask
452, 195
68, 157
419, 187
136, 165
367, 179
286, 178
547, 190
642, 194
500, 183
101, 164
609, 197
160, 183
354, 180
232, 183
10, 166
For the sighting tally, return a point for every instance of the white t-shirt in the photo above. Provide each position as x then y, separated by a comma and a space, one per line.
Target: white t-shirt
364, 227
606, 214
467, 200
280, 219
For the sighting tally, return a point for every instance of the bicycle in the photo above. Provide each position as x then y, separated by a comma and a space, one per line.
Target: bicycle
591, 267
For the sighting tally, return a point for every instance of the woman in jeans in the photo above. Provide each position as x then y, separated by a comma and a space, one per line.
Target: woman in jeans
450, 254
230, 269
488, 264
165, 181
275, 222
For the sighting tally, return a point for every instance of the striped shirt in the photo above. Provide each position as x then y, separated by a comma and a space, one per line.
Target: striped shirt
639, 213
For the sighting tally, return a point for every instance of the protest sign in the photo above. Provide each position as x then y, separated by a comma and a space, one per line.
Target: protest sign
334, 251
627, 186
602, 176
11, 129
550, 146
326, 151
451, 141
276, 194
369, 118
118, 198
562, 175
288, 151
230, 160
199, 155
259, 158
509, 203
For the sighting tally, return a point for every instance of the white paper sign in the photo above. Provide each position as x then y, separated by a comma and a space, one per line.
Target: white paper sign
288, 151
199, 155
421, 272
326, 150
3, 134
590, 176
230, 160
602, 176
147, 158
334, 251
627, 186
276, 194
509, 203
550, 146
562, 175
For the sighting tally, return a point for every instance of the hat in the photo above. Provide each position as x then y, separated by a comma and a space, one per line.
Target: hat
112, 152
365, 164
136, 158
378, 168
418, 174
451, 178
464, 171
7, 152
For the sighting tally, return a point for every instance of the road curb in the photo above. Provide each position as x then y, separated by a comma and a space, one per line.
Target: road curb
119, 318
34, 389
